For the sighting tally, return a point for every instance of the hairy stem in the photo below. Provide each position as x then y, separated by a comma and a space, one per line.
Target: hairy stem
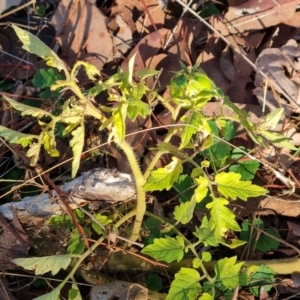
141, 195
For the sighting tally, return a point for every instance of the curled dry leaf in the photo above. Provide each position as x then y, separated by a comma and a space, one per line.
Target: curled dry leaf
82, 33
281, 66
257, 15
122, 41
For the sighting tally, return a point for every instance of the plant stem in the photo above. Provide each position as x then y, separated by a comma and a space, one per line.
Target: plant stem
141, 195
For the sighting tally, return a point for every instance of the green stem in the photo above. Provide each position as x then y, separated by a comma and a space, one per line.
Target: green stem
80, 260
141, 195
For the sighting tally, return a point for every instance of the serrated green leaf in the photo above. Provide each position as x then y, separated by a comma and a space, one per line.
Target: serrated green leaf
247, 169
202, 188
138, 108
205, 233
228, 131
166, 249
49, 143
194, 122
277, 138
238, 152
76, 245
119, 117
183, 213
103, 220
222, 217
184, 187
34, 45
164, 178
243, 118
227, 271
16, 137
261, 242
230, 185
77, 143
144, 73
206, 296
91, 70
185, 286
263, 277
26, 109
233, 243
273, 118
44, 78
42, 265
246, 274
53, 295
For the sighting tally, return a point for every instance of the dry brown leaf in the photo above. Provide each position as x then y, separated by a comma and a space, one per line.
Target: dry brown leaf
147, 47
157, 14
257, 15
288, 208
209, 57
167, 64
82, 32
281, 66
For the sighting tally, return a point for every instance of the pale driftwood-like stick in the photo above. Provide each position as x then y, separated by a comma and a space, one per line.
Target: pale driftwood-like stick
97, 184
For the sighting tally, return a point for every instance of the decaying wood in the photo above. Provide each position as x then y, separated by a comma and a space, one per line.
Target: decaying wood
97, 184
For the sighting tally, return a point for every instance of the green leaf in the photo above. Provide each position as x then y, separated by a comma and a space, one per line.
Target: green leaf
119, 116
230, 185
206, 296
44, 78
154, 282
273, 118
144, 73
205, 233
40, 10
247, 169
49, 143
194, 122
164, 178
77, 143
206, 256
261, 242
26, 109
103, 220
138, 108
243, 118
227, 271
166, 249
74, 293
184, 188
76, 245
183, 213
238, 152
202, 188
264, 277
277, 138
222, 217
42, 265
16, 137
229, 131
5, 85
53, 295
185, 286
34, 45
246, 274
